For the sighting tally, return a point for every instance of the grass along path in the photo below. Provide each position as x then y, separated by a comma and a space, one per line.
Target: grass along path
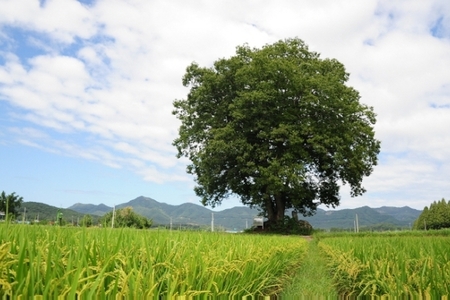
313, 279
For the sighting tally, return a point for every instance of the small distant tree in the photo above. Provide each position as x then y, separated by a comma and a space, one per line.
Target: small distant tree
437, 216
87, 220
10, 204
126, 217
59, 217
43, 222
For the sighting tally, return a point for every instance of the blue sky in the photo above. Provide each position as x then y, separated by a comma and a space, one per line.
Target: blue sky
86, 90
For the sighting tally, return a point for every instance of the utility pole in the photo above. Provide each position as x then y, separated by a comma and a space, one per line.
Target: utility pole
246, 224
357, 223
113, 216
212, 221
24, 213
170, 223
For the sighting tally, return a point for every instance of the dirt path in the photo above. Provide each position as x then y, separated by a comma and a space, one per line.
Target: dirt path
308, 238
313, 279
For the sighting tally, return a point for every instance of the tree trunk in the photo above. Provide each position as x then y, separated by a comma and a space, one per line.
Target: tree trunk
295, 216
271, 213
275, 207
280, 207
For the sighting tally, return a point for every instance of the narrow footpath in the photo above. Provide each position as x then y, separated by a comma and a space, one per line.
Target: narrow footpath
313, 279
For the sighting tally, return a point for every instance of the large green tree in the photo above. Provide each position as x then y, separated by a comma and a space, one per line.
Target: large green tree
276, 126
10, 204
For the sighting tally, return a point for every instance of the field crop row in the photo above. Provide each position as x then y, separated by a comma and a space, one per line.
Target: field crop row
49, 262
401, 266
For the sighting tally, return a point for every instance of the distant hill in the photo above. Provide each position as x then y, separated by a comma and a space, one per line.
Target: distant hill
91, 209
404, 213
399, 217
185, 214
242, 217
39, 211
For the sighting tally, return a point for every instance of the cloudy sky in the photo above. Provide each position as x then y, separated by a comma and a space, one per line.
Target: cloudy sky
86, 90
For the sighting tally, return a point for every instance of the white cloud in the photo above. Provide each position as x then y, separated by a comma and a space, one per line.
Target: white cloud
104, 87
29, 132
62, 20
90, 55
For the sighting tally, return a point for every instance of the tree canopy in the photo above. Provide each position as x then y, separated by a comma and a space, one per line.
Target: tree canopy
276, 126
86, 221
10, 204
435, 217
126, 217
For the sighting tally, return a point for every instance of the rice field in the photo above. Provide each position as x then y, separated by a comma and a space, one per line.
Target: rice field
47, 262
411, 265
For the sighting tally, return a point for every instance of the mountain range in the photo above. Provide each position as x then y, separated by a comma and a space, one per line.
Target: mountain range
36, 211
241, 217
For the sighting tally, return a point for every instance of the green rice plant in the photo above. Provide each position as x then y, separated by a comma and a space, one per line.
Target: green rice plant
377, 265
407, 233
105, 263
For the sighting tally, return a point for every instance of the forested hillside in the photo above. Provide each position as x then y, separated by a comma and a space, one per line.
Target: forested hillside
241, 217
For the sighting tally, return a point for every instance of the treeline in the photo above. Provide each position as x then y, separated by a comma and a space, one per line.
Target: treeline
9, 205
435, 217
125, 217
